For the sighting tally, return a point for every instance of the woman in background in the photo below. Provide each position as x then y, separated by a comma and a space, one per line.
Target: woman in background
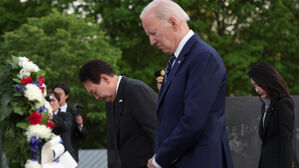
277, 119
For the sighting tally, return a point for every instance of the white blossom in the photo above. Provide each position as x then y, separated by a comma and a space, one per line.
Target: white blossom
22, 60
40, 131
33, 93
39, 105
30, 66
45, 90
32, 164
23, 73
49, 107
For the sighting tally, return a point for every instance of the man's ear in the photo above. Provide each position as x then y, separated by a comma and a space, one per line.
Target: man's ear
67, 96
105, 78
174, 22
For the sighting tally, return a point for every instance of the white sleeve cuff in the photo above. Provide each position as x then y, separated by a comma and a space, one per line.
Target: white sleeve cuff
156, 164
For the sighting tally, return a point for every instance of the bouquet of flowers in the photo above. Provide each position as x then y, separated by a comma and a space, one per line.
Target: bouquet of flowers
30, 92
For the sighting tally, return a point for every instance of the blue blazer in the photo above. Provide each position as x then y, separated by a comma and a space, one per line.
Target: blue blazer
191, 111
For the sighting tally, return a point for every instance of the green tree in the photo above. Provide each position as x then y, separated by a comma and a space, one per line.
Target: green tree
120, 20
243, 32
13, 13
60, 44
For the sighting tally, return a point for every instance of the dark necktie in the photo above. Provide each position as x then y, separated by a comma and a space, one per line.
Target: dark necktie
168, 66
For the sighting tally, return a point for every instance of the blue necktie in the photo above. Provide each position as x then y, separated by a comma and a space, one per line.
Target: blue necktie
168, 66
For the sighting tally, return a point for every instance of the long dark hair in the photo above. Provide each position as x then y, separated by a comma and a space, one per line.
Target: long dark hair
268, 78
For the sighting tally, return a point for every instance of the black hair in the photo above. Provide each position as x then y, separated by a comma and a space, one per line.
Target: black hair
92, 70
56, 95
64, 87
269, 79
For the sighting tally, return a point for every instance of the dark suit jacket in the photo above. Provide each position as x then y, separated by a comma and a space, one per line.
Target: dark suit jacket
63, 125
134, 122
191, 111
277, 135
77, 134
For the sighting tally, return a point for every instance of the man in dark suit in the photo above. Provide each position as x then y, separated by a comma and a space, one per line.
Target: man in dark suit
191, 106
131, 113
78, 129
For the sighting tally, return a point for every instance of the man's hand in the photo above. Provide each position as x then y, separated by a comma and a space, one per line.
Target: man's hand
79, 120
150, 162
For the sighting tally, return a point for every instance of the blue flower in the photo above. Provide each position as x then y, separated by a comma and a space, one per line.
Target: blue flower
41, 110
20, 88
34, 145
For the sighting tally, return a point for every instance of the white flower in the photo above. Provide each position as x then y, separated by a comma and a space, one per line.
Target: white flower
23, 73
33, 93
45, 90
30, 66
44, 103
48, 107
40, 131
32, 164
40, 104
22, 60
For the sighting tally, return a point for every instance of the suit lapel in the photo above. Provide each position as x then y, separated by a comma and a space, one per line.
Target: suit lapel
176, 66
267, 118
118, 105
261, 127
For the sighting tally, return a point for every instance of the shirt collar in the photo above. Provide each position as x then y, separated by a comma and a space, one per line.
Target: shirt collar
56, 112
183, 42
63, 108
118, 82
266, 100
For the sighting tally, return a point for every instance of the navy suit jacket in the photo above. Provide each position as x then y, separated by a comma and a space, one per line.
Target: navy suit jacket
191, 111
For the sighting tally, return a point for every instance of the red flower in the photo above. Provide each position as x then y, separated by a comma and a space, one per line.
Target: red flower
43, 89
35, 118
41, 80
50, 125
27, 80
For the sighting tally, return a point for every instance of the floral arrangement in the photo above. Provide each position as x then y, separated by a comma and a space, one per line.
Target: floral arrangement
29, 85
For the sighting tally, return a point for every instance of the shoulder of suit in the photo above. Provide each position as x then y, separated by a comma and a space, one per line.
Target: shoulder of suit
134, 82
135, 85
70, 108
64, 114
284, 100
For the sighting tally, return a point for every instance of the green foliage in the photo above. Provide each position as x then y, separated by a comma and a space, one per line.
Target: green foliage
122, 24
60, 44
244, 33
14, 112
14, 13
14, 146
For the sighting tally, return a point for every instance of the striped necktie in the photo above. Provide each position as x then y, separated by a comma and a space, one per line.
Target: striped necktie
168, 66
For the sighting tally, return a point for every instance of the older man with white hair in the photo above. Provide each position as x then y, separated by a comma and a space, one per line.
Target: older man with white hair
191, 107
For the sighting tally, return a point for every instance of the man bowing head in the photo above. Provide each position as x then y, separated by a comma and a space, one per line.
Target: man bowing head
131, 114
191, 107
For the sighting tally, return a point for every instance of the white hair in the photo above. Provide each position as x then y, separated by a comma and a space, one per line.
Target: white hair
163, 9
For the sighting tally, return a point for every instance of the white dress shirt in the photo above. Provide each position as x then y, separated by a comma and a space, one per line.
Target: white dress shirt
118, 82
63, 108
182, 44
